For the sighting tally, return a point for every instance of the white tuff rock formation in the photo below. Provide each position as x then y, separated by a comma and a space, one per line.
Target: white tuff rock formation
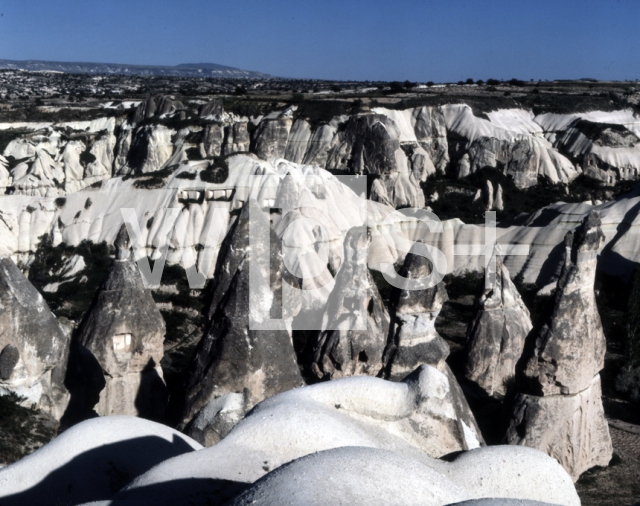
560, 408
497, 333
124, 331
33, 346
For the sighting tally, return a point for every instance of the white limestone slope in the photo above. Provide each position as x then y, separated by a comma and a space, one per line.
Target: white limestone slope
312, 235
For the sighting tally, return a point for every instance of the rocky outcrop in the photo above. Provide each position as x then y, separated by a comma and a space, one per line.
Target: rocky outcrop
508, 138
154, 107
213, 138
151, 147
298, 141
569, 349
559, 409
212, 110
33, 346
238, 139
413, 339
498, 203
373, 144
271, 137
123, 332
415, 345
39, 176
234, 357
497, 334
355, 322
431, 133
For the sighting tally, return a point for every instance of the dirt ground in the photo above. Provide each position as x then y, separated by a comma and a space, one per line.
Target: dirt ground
619, 483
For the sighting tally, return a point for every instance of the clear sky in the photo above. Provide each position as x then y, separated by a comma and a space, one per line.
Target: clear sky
441, 41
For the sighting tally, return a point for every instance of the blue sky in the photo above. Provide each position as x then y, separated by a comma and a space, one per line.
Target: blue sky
441, 41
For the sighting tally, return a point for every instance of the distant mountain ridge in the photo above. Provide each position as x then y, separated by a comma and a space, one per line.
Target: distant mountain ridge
182, 70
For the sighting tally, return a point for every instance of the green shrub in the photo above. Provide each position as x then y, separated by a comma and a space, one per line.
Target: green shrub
22, 430
467, 283
86, 157
186, 175
217, 172
72, 298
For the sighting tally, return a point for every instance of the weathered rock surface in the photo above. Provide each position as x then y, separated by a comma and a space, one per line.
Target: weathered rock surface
234, 356
356, 322
356, 476
373, 144
91, 461
33, 346
413, 339
271, 137
156, 107
497, 334
570, 428
559, 408
238, 139
369, 413
151, 147
212, 140
212, 109
569, 350
124, 332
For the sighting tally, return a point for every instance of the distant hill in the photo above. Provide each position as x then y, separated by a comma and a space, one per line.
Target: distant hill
183, 70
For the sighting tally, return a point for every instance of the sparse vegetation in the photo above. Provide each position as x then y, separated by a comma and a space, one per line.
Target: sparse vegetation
73, 297
22, 430
217, 172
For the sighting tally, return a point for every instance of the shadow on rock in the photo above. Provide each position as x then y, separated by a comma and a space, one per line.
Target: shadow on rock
99, 473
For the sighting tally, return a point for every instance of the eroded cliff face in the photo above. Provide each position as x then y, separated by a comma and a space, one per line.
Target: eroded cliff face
401, 147
559, 409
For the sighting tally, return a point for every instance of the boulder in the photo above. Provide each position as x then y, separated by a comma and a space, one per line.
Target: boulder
374, 415
124, 332
353, 475
355, 323
234, 357
413, 339
32, 344
497, 334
